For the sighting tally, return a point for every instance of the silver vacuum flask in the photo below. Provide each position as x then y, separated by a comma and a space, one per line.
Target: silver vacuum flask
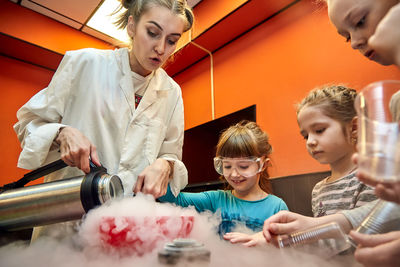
57, 201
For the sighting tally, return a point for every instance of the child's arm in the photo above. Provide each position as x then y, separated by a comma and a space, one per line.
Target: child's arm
201, 201
248, 240
251, 240
286, 222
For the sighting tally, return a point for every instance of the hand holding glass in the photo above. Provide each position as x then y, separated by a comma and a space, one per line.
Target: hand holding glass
325, 239
378, 109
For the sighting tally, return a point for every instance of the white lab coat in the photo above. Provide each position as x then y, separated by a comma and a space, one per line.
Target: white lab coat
92, 90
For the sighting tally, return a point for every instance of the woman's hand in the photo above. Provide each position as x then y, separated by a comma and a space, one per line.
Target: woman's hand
377, 250
389, 191
154, 179
247, 239
76, 149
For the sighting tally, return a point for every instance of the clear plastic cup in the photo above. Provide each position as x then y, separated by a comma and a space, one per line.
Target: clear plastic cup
378, 109
325, 239
384, 217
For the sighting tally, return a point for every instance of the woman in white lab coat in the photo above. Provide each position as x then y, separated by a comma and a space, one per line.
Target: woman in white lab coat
117, 107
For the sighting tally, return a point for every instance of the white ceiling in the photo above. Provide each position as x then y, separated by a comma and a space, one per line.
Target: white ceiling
75, 13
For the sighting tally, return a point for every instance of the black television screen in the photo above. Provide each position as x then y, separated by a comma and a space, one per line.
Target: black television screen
200, 143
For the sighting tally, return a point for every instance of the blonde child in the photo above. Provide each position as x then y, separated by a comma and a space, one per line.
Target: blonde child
241, 159
375, 34
327, 121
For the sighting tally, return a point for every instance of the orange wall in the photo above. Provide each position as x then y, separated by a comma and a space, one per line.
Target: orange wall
274, 66
19, 81
25, 24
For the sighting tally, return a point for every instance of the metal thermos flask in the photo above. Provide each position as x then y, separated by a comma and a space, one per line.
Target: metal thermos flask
57, 201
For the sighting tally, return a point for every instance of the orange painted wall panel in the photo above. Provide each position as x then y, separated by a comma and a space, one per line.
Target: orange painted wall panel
196, 94
209, 12
274, 66
204, 19
19, 82
32, 27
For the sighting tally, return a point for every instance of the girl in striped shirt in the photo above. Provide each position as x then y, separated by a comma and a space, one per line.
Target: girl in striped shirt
327, 121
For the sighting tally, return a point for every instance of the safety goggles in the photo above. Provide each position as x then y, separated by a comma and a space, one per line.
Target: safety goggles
245, 167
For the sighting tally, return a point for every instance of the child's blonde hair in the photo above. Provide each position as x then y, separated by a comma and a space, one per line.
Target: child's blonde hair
246, 139
335, 101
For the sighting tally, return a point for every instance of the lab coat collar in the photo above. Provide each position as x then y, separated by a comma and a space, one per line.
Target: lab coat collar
158, 83
122, 58
158, 87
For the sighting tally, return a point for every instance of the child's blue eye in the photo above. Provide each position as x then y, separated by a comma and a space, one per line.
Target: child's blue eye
305, 137
320, 131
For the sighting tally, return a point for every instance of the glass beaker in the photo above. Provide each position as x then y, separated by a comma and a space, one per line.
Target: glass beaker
384, 217
378, 109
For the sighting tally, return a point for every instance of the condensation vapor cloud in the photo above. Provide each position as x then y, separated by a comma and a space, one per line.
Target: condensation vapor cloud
87, 247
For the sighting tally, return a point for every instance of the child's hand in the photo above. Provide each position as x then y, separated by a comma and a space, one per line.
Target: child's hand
247, 239
285, 222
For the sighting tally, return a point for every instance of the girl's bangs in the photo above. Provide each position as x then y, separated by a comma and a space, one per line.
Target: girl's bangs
237, 146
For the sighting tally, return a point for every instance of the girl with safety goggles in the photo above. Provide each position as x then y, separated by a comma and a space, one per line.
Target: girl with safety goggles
242, 159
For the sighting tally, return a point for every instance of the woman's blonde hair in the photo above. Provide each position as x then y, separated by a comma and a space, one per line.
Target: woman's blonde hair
246, 139
136, 8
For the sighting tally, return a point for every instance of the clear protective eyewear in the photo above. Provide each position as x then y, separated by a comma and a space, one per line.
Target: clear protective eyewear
246, 167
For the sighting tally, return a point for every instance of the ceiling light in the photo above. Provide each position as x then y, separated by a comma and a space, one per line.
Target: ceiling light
103, 22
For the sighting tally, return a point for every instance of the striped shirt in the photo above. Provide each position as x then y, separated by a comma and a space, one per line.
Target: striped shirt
345, 193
